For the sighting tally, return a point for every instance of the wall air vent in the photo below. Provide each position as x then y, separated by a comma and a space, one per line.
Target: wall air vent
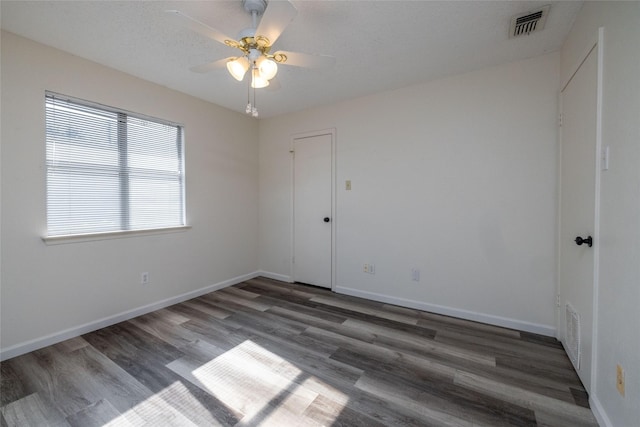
529, 22
572, 335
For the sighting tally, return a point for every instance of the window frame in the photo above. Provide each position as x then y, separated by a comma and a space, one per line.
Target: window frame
123, 187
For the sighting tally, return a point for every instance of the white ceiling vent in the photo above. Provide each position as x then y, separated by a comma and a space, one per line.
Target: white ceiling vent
529, 22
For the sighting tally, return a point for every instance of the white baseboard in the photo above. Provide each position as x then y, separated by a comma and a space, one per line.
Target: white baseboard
599, 412
275, 276
454, 312
26, 347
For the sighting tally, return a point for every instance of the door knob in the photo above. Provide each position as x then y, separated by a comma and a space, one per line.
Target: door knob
579, 241
327, 219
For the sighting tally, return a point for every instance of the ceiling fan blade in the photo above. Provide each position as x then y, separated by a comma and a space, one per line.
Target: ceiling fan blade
209, 66
276, 17
306, 60
201, 28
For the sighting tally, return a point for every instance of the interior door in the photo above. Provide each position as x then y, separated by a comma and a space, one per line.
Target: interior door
312, 201
578, 215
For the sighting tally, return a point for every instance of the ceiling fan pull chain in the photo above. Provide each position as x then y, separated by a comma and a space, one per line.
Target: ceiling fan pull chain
249, 106
254, 110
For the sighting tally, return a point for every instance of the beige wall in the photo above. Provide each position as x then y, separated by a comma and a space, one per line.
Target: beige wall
618, 317
456, 177
49, 289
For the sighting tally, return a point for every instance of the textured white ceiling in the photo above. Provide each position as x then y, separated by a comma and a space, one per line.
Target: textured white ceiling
378, 45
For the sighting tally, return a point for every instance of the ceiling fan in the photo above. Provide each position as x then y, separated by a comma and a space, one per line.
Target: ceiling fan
255, 44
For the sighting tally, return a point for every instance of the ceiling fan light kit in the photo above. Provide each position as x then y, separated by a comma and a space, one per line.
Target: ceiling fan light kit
255, 43
267, 67
237, 67
258, 81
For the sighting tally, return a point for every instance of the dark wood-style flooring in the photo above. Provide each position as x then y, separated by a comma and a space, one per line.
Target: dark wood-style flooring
267, 353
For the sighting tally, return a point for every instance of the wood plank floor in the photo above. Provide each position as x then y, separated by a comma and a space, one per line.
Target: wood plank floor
267, 353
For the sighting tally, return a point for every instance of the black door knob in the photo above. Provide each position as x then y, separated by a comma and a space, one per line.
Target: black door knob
588, 241
327, 219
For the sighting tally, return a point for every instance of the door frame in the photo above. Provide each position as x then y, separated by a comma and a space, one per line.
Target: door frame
310, 134
598, 45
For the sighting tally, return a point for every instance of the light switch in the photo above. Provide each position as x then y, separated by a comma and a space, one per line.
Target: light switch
347, 185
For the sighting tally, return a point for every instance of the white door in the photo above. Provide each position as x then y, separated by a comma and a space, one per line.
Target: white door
312, 213
578, 215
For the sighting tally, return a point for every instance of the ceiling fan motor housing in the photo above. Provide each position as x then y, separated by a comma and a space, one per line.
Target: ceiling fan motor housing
247, 36
246, 33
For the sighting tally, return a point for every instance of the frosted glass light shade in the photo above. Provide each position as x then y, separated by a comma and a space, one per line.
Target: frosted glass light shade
238, 67
258, 80
268, 69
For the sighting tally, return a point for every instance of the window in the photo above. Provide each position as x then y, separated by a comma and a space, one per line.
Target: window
110, 170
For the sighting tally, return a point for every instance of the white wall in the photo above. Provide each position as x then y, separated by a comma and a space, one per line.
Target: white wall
456, 177
618, 339
49, 289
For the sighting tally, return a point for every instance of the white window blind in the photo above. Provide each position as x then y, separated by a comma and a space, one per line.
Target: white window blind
110, 170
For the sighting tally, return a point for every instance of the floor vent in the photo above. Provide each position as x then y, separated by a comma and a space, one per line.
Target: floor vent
529, 22
572, 335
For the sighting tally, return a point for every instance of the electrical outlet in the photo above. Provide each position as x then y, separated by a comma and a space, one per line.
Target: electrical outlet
365, 268
415, 274
144, 278
620, 380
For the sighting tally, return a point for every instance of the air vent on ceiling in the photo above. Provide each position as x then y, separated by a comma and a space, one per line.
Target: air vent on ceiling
529, 22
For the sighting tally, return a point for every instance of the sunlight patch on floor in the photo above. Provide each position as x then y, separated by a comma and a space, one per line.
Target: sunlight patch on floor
160, 409
266, 388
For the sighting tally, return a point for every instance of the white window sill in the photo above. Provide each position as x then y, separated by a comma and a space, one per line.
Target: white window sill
79, 238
